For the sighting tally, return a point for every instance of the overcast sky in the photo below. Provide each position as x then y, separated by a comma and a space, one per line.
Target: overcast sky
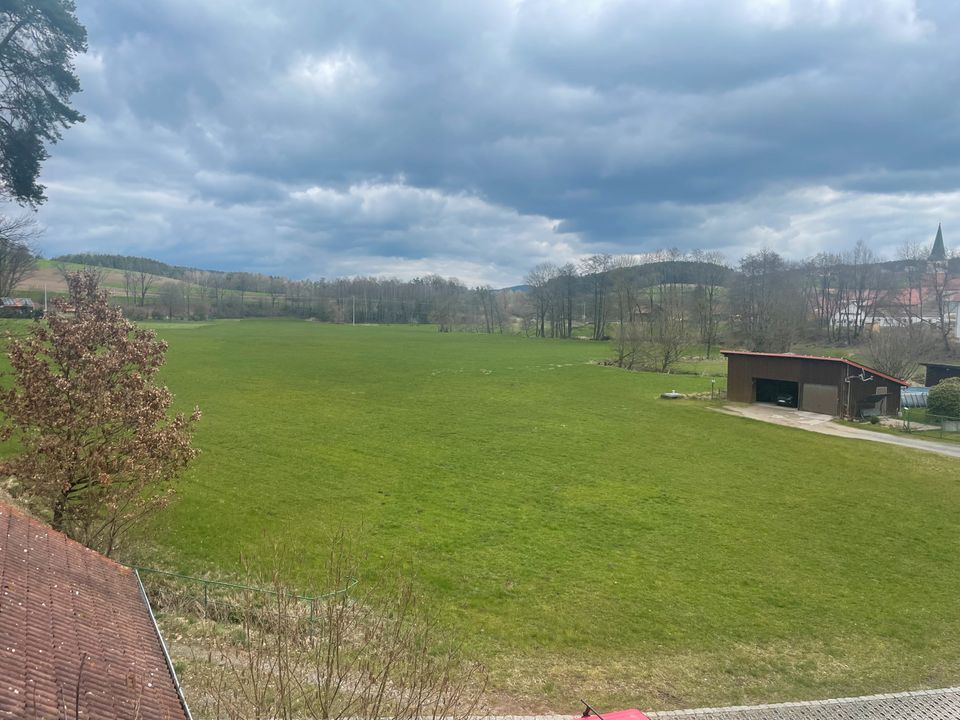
312, 138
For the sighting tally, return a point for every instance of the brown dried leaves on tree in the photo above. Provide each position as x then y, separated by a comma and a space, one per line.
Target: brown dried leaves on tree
98, 448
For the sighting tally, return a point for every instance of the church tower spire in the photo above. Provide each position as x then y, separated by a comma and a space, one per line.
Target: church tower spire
939, 253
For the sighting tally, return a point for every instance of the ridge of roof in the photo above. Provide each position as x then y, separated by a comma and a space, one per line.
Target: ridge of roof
845, 361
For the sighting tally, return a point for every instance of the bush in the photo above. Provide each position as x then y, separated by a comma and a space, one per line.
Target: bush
944, 398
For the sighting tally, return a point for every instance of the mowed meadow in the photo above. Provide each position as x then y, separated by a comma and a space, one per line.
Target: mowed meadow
581, 536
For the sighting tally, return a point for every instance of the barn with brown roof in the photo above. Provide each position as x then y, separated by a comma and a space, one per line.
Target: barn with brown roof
828, 385
77, 637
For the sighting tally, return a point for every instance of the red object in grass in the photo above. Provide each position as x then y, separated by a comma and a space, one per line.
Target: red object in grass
623, 715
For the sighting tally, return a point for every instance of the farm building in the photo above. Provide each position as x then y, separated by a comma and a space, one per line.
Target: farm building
940, 371
16, 307
828, 385
77, 637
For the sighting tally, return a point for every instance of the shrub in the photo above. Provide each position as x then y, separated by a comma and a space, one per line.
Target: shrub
944, 398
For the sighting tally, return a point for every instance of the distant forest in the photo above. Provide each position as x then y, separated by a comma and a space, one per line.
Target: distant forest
653, 307
126, 262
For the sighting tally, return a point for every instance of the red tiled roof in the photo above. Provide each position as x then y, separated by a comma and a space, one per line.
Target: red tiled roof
62, 603
845, 361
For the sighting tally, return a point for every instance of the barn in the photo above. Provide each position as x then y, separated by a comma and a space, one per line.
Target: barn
828, 385
940, 371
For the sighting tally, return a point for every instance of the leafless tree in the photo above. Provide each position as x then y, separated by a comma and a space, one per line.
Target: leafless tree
767, 302
940, 277
276, 288
143, 282
911, 302
171, 297
711, 272
899, 350
538, 280
18, 256
595, 268
129, 285
624, 293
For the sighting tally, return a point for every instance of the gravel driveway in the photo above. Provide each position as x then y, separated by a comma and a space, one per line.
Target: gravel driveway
824, 424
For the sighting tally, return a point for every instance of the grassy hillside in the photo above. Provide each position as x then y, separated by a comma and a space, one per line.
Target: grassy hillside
584, 537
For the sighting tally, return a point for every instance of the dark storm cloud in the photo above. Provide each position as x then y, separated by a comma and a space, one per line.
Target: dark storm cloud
478, 139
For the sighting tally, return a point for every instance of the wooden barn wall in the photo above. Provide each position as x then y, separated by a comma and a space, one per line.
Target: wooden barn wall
860, 390
743, 369
936, 373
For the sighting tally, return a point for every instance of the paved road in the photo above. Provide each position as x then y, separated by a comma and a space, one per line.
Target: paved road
824, 424
921, 705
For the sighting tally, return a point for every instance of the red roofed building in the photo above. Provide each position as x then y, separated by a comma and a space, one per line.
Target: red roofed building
77, 637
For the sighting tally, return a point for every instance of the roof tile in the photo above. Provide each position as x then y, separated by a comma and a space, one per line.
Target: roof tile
75, 632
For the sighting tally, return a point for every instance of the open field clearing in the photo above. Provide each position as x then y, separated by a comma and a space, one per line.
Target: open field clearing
583, 537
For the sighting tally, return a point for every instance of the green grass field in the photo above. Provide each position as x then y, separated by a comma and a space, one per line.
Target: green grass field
583, 537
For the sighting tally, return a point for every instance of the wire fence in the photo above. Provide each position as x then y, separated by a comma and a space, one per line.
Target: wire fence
919, 420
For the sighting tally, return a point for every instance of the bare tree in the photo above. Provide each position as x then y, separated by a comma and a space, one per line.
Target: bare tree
485, 296
940, 277
711, 272
143, 282
767, 302
218, 283
129, 285
624, 294
189, 283
18, 257
899, 350
538, 280
171, 297
911, 301
276, 287
595, 268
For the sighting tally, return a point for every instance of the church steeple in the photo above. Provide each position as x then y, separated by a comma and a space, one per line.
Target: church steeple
939, 253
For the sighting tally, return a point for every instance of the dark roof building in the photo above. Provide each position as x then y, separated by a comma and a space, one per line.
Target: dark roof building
940, 371
77, 637
828, 385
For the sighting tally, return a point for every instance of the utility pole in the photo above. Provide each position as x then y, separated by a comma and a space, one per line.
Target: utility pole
354, 297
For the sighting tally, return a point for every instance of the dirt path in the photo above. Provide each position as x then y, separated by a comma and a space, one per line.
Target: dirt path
824, 424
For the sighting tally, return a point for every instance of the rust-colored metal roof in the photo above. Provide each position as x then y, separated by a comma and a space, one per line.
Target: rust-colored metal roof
845, 361
77, 639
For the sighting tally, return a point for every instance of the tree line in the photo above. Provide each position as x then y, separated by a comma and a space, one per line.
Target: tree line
656, 306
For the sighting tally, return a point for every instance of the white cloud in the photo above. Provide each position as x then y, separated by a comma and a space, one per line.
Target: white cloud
312, 139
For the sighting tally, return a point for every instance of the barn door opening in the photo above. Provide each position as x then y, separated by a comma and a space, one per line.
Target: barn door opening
777, 392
